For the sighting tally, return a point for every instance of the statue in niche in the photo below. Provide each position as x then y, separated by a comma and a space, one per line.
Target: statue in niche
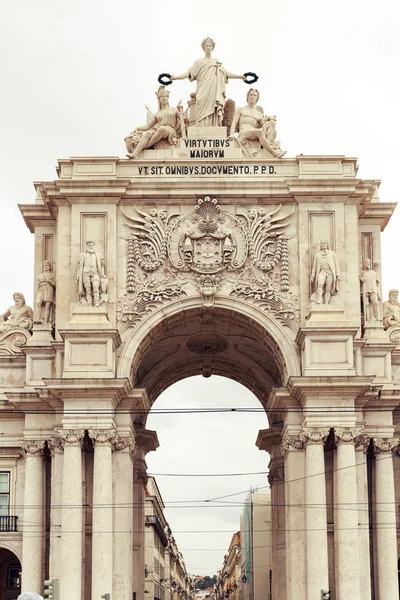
370, 292
211, 78
91, 277
45, 299
19, 315
162, 130
391, 310
325, 274
252, 125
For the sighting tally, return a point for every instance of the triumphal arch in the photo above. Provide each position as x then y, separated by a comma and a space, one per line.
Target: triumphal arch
206, 250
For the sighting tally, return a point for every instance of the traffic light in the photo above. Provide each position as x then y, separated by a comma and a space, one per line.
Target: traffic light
325, 595
52, 589
106, 596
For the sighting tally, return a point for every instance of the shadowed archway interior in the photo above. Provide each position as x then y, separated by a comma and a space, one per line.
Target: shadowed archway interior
222, 343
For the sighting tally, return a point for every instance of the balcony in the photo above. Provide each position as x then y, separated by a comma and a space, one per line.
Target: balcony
8, 523
154, 520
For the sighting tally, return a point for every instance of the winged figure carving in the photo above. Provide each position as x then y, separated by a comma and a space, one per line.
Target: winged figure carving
266, 240
149, 237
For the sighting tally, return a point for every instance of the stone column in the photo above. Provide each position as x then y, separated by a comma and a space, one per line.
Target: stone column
385, 522
102, 530
140, 481
56, 446
294, 462
33, 529
123, 517
72, 515
276, 479
346, 517
316, 523
361, 446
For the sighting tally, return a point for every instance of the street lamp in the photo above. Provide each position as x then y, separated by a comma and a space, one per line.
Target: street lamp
244, 578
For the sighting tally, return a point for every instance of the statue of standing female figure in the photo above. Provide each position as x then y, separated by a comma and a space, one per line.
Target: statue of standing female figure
164, 125
211, 79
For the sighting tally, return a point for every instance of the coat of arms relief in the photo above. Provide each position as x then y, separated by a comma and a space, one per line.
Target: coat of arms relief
207, 251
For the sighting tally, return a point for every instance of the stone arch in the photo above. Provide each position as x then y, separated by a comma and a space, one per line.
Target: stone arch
150, 346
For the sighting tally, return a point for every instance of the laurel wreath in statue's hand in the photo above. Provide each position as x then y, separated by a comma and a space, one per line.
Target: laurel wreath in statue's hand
161, 79
254, 77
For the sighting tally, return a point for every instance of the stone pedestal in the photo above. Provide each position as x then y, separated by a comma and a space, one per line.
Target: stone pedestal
33, 517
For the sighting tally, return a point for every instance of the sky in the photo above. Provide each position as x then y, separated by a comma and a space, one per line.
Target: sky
75, 76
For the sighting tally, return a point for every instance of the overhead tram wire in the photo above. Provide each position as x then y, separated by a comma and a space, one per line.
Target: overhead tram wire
188, 411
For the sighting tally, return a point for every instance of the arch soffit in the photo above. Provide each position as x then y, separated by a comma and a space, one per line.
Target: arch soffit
283, 338
14, 547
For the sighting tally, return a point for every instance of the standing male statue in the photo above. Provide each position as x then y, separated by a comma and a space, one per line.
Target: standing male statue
325, 273
90, 275
391, 310
45, 299
370, 292
253, 125
211, 79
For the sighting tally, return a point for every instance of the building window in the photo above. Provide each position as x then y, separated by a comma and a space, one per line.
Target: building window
4, 493
14, 573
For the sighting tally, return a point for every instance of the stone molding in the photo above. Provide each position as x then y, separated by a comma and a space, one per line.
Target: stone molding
347, 434
292, 442
315, 435
72, 437
385, 444
103, 436
32, 447
276, 472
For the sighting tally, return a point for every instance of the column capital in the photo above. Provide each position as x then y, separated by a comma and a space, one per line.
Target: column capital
385, 444
347, 435
276, 472
315, 435
72, 437
103, 436
32, 447
361, 443
124, 443
292, 442
56, 443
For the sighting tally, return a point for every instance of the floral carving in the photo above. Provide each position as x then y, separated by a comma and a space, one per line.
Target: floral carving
121, 443
72, 437
103, 436
315, 435
292, 441
346, 434
284, 307
32, 447
276, 472
385, 444
12, 340
210, 345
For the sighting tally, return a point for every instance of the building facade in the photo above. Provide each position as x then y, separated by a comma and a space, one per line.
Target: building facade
202, 253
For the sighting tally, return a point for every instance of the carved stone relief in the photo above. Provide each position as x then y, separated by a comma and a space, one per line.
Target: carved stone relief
12, 340
207, 251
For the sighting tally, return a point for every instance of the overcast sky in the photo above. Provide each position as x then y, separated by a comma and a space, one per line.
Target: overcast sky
75, 77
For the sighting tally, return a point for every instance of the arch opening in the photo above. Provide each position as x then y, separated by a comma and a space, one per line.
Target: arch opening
245, 346
10, 574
